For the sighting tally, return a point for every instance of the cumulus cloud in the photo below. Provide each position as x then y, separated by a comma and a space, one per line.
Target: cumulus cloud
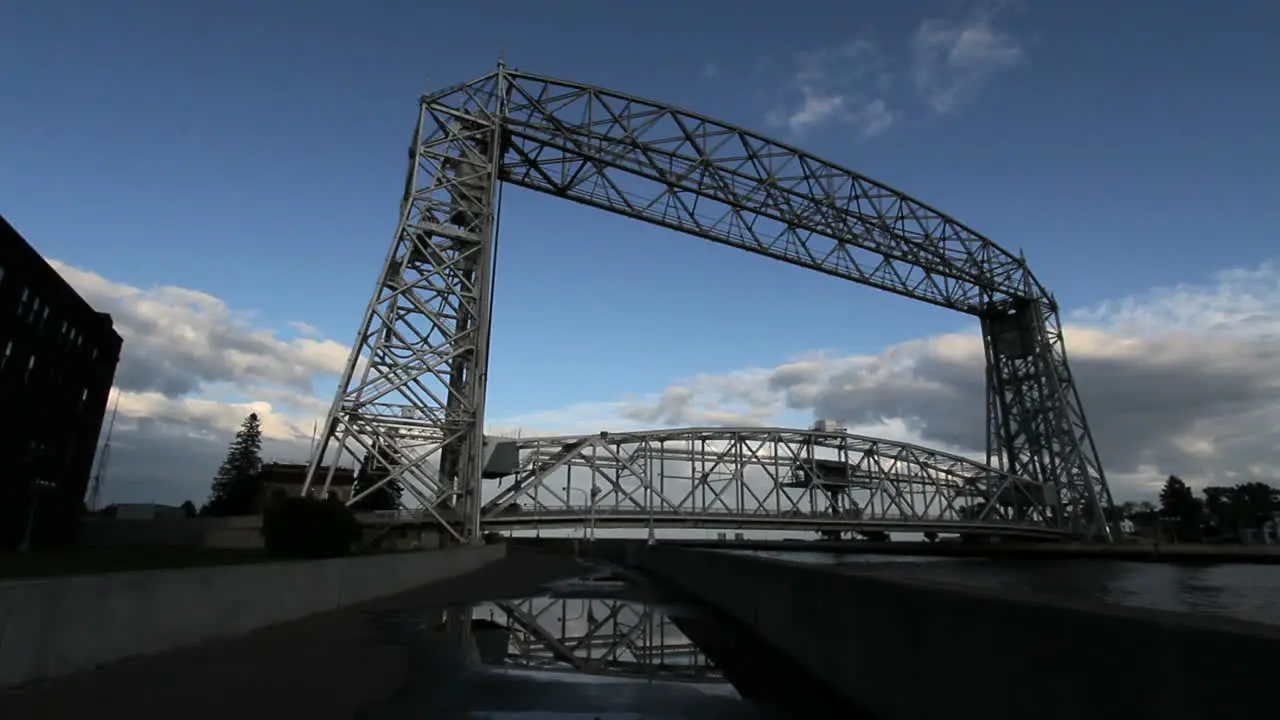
1178, 380
1175, 380
180, 340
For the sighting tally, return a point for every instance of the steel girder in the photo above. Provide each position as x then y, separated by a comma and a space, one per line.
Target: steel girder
600, 637
687, 172
779, 477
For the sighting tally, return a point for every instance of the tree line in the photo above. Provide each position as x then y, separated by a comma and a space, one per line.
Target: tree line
237, 487
1218, 513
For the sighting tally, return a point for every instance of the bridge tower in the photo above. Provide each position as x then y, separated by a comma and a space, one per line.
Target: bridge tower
413, 388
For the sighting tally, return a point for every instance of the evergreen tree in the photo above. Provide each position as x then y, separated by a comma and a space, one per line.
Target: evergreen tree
374, 467
1180, 504
236, 484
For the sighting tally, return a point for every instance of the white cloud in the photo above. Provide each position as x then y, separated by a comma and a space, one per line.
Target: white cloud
178, 340
952, 61
306, 329
1175, 380
191, 370
856, 84
837, 85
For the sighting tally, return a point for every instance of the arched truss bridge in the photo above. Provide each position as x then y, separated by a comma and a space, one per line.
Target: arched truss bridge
412, 395
750, 478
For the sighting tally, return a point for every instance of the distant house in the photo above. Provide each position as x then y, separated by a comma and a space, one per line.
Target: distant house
286, 480
1267, 533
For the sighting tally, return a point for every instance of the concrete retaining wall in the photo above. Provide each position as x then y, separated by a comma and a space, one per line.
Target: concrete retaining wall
56, 626
167, 532
242, 532
904, 649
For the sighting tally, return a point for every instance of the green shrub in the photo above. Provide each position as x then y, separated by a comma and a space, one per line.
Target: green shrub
305, 527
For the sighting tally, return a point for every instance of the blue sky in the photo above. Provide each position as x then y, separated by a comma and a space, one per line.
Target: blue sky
255, 151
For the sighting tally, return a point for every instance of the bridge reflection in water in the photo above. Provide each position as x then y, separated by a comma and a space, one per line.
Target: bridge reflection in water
598, 636
554, 654
616, 653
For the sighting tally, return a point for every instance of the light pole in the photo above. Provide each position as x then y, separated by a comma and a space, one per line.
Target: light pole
570, 491
648, 501
590, 510
590, 501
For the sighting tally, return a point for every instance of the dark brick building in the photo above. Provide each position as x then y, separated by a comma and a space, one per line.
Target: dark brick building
57, 363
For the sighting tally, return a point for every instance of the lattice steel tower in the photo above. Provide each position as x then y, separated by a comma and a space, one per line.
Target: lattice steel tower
415, 382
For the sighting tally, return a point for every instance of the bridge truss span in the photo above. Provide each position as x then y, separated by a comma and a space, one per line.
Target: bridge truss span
772, 478
414, 389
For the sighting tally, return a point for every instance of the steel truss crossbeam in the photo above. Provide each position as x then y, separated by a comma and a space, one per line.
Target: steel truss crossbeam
599, 636
425, 333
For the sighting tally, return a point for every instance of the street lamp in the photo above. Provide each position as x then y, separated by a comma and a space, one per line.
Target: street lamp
590, 501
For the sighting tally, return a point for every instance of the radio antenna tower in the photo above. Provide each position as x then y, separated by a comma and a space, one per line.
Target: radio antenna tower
104, 457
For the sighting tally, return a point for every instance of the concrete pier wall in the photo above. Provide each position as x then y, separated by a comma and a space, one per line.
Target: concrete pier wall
907, 649
52, 627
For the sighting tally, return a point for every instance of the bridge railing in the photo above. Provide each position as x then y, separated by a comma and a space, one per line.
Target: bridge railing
601, 517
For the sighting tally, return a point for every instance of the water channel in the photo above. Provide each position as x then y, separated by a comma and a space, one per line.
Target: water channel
1246, 592
593, 647
604, 646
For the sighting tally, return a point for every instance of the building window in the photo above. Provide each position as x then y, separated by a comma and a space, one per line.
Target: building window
4, 360
31, 363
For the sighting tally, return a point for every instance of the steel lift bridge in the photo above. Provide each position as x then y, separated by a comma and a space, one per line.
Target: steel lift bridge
413, 390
